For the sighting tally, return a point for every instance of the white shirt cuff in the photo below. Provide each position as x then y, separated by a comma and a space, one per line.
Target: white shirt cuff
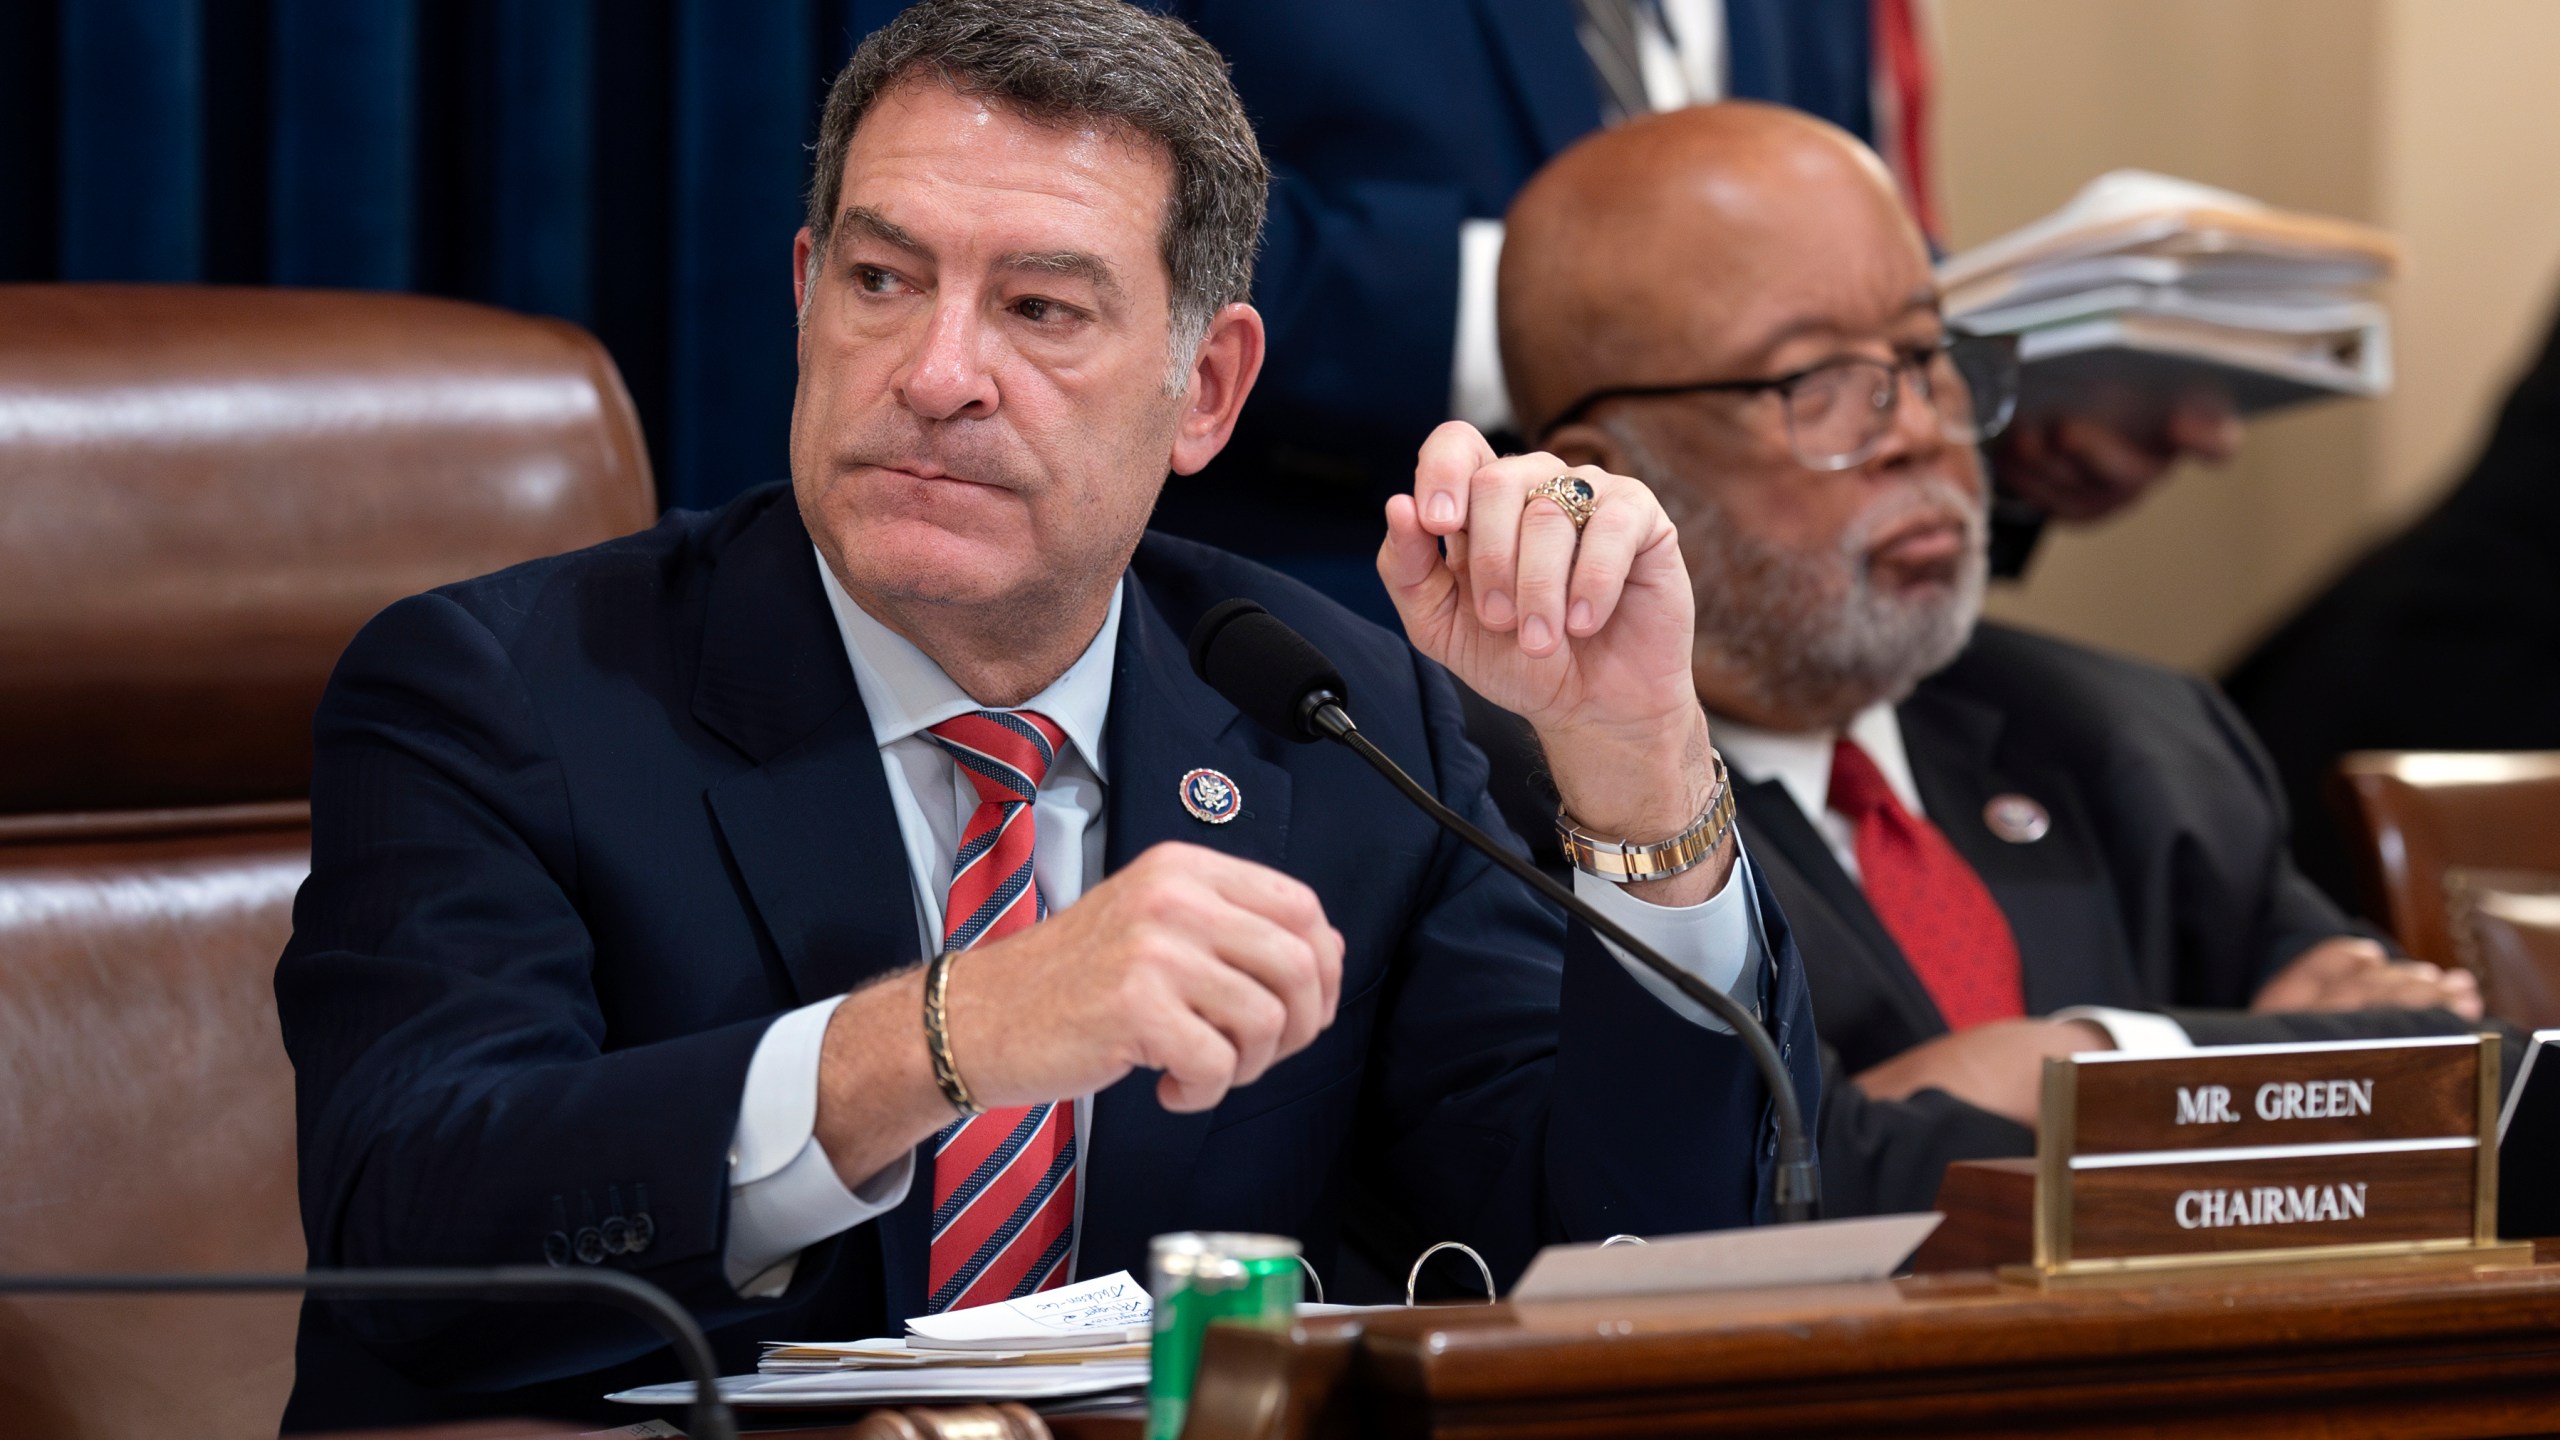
784, 1193
1718, 939
2136, 1032
1477, 393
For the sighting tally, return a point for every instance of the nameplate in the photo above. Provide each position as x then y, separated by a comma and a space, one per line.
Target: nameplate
2378, 1148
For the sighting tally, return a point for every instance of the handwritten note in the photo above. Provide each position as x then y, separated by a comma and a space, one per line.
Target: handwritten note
1114, 1308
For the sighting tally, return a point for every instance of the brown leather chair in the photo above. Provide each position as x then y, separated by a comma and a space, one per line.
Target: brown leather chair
203, 494
2421, 813
2507, 931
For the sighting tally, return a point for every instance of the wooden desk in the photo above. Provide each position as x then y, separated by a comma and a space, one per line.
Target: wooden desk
2430, 1354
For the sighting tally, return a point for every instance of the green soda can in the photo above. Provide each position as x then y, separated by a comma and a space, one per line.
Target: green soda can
1196, 1278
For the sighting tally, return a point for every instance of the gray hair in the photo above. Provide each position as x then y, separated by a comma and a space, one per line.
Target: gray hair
1807, 630
1057, 61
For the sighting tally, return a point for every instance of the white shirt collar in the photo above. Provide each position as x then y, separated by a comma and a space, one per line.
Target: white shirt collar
1802, 761
905, 692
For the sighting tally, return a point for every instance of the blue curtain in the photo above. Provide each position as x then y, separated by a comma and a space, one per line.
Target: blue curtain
635, 166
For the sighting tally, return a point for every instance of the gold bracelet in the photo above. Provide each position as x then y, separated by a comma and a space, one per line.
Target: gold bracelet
1622, 863
937, 1036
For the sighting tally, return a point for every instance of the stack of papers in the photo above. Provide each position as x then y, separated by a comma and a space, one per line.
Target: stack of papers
1044, 1383
1077, 1341
1105, 1319
2146, 288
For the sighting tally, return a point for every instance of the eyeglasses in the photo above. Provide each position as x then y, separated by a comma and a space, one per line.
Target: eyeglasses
1840, 411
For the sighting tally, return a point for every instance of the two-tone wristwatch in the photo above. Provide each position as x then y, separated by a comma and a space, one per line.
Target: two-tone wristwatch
1622, 863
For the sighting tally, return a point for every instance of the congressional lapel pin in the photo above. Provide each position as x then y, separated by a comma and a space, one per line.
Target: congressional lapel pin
1211, 797
2016, 818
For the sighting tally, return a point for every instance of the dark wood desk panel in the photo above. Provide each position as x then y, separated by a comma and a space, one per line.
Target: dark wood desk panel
2413, 1353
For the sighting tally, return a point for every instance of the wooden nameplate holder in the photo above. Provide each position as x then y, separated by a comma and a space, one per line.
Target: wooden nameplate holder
2366, 1152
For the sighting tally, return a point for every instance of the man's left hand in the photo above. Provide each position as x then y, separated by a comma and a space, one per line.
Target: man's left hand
1586, 637
1997, 1067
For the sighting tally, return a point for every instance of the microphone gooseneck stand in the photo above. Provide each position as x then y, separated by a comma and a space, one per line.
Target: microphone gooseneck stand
1280, 679
708, 1419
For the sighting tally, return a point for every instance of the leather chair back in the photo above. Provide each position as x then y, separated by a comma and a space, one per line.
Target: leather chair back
146, 1120
203, 494
2422, 813
2507, 931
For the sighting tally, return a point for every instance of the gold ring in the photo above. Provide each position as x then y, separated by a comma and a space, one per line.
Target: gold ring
1573, 495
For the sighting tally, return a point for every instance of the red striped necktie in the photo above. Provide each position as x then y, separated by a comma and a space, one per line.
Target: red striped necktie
1004, 1183
1932, 903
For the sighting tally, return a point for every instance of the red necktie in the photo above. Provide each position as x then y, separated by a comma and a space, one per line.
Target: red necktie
1936, 908
1004, 1183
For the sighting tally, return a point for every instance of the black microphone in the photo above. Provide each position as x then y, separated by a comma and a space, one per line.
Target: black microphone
1276, 677
708, 1419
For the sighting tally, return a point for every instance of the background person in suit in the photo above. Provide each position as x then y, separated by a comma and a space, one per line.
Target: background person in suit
623, 860
2442, 639
1399, 134
1968, 826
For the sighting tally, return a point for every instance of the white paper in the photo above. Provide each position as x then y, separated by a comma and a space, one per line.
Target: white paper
1112, 1309
2117, 196
1825, 1252
2299, 312
897, 1387
2524, 1072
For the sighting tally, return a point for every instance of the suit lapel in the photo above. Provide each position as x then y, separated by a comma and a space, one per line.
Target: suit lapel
2054, 890
811, 828
1550, 75
1164, 724
1772, 818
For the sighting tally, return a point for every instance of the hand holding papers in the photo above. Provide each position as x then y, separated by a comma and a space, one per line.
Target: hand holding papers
2144, 289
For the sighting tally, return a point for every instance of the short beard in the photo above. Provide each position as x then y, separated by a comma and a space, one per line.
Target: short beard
1808, 634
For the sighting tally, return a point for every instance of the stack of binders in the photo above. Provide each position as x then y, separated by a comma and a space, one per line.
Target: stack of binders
2146, 289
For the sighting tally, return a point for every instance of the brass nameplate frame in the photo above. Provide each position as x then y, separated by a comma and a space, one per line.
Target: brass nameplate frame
2362, 1152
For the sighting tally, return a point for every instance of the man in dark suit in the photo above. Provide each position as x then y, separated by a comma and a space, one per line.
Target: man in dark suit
1993, 846
1398, 135
624, 861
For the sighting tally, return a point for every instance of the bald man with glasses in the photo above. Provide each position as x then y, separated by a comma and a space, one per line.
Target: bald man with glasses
1994, 846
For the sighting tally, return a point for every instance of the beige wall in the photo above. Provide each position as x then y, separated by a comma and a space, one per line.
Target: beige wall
2437, 118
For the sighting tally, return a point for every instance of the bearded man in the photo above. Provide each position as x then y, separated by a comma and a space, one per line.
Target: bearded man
1993, 846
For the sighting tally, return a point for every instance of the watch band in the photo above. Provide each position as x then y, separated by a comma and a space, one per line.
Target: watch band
1621, 863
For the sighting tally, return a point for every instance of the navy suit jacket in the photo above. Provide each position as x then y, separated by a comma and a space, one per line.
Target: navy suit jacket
583, 828
1386, 122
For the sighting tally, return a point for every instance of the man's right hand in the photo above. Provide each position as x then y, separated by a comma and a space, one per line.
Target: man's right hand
2081, 468
1206, 967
